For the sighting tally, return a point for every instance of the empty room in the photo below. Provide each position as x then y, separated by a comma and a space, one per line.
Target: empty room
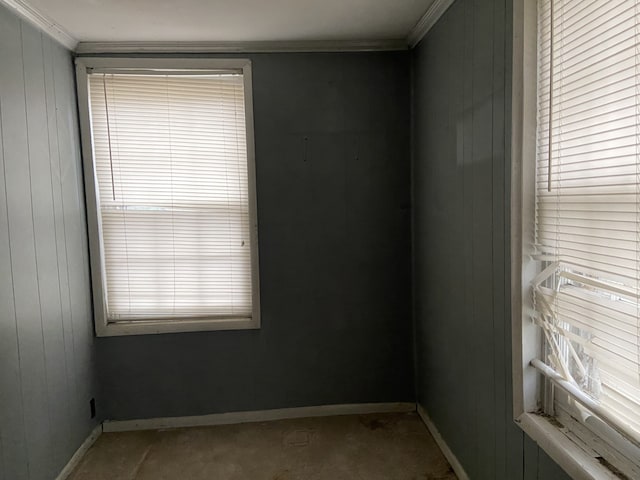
324, 240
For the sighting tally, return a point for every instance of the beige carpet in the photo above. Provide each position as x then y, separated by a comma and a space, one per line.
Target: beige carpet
352, 447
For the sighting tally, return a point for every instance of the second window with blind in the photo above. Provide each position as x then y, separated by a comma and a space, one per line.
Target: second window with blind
170, 183
586, 293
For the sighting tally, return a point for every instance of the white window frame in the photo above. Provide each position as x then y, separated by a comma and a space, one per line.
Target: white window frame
528, 383
103, 327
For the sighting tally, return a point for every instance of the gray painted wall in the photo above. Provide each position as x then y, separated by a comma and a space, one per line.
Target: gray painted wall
46, 336
461, 87
333, 176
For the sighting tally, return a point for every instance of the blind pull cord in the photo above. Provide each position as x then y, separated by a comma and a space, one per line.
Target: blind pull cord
106, 109
550, 153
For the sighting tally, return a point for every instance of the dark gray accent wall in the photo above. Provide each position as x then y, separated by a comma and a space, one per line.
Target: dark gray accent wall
461, 172
333, 176
46, 336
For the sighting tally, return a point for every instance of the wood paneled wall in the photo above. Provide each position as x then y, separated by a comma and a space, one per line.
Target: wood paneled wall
461, 173
46, 331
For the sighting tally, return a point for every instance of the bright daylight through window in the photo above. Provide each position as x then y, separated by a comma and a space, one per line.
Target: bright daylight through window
587, 223
173, 229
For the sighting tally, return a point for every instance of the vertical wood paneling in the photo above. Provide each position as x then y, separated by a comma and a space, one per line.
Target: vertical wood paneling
60, 237
32, 337
463, 352
45, 384
483, 281
12, 430
436, 208
23, 261
500, 333
44, 230
73, 245
470, 457
547, 468
2, 476
457, 236
530, 459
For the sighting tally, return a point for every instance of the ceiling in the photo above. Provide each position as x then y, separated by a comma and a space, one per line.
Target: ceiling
232, 20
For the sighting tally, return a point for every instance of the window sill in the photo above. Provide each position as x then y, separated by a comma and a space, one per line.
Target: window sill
573, 459
175, 326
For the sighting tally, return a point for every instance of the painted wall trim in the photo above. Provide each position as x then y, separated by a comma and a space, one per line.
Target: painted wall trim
256, 416
574, 460
446, 451
74, 461
44, 23
89, 48
428, 20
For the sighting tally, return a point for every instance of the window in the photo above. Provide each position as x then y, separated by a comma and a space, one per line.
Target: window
170, 185
581, 249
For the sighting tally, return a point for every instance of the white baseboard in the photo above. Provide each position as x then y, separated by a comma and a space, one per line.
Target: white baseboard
256, 416
446, 451
82, 449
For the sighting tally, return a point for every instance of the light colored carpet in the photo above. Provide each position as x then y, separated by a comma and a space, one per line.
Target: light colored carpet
351, 447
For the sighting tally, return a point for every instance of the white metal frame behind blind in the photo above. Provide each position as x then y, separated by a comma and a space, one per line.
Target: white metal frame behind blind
588, 217
169, 167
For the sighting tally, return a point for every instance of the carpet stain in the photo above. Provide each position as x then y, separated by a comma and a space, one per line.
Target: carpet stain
373, 423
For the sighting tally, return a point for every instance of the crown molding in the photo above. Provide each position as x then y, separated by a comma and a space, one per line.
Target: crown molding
44, 23
90, 48
428, 20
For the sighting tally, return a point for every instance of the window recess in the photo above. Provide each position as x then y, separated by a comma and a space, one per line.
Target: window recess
587, 223
170, 180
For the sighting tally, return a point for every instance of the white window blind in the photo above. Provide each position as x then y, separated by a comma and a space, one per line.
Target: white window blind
588, 200
170, 159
